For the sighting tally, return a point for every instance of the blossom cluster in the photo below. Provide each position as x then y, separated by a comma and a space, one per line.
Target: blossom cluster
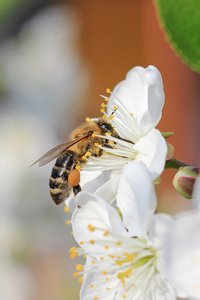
133, 252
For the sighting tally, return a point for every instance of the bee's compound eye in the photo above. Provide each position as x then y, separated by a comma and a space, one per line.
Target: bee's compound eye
74, 178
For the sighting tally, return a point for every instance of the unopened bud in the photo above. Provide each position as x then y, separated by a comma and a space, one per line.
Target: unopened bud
184, 180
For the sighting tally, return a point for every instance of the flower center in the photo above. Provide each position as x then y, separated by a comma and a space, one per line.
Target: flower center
128, 263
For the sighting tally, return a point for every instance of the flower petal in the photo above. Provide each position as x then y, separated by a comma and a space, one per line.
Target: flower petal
152, 151
196, 194
182, 254
101, 216
142, 94
136, 198
108, 190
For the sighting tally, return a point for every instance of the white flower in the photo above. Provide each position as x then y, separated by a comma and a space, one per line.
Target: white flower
124, 258
134, 109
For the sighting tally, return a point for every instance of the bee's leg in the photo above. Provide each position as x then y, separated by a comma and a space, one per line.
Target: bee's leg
76, 189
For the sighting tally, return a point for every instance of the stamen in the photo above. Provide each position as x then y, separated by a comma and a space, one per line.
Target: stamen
68, 222
78, 168
91, 228
79, 268
80, 280
66, 208
108, 91
88, 120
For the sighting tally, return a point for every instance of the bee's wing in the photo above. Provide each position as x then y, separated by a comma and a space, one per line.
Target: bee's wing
56, 151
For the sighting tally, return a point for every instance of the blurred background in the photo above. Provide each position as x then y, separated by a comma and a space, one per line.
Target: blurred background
56, 58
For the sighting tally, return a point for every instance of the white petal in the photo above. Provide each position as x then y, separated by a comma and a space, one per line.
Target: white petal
142, 94
136, 198
158, 228
108, 190
182, 255
152, 151
96, 285
98, 213
196, 194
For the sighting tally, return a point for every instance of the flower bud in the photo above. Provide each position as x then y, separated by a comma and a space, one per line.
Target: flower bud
184, 180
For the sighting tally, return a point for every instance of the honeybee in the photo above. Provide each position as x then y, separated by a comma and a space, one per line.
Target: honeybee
71, 155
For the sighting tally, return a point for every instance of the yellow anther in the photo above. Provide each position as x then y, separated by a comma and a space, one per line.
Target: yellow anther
85, 255
129, 256
111, 142
93, 262
112, 116
78, 168
88, 153
68, 222
104, 117
106, 99
83, 157
103, 105
115, 107
91, 228
123, 282
88, 120
107, 288
102, 258
91, 285
102, 110
93, 135
104, 272
124, 296
66, 208
106, 232
81, 243
72, 249
106, 247
74, 254
72, 233
92, 242
118, 243
96, 144
108, 90
76, 274
79, 267
111, 256
128, 272
80, 280
107, 278
131, 114
95, 298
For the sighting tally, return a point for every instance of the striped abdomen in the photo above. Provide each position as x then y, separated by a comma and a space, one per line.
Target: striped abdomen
59, 186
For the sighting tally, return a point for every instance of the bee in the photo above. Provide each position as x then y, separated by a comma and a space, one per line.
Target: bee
72, 155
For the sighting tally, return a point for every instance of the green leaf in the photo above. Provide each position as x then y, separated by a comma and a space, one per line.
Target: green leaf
181, 21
